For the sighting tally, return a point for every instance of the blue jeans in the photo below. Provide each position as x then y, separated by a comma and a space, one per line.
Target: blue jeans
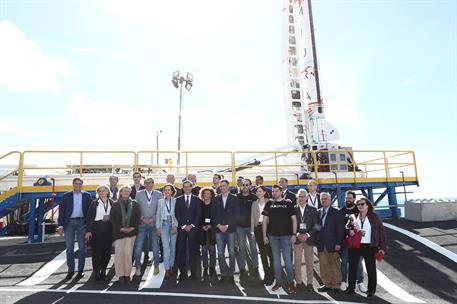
144, 230
244, 233
169, 245
222, 240
75, 226
344, 267
211, 249
282, 244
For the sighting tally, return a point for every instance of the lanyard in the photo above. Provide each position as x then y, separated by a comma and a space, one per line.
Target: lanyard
313, 201
362, 222
302, 217
168, 206
149, 197
105, 206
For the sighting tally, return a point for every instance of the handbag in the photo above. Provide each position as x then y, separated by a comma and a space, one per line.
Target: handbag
353, 242
379, 255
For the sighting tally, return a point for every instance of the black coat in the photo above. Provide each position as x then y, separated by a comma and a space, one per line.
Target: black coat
92, 212
207, 237
288, 195
133, 193
310, 218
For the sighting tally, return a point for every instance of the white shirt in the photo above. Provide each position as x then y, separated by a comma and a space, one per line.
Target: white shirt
302, 210
366, 229
312, 200
224, 200
100, 212
261, 207
149, 197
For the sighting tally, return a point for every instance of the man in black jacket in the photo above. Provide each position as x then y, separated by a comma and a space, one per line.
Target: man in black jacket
287, 194
306, 220
224, 214
188, 212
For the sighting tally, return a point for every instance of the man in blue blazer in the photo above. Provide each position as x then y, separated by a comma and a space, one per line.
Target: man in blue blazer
72, 220
188, 211
224, 214
329, 239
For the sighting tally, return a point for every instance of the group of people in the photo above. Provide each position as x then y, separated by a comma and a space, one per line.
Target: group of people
185, 228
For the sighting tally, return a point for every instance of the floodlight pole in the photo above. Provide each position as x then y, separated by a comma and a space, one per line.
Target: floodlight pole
179, 123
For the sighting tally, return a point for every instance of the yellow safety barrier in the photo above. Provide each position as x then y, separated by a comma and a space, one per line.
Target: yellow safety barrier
333, 166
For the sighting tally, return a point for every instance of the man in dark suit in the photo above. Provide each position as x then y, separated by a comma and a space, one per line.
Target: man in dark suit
188, 212
224, 214
239, 186
329, 240
72, 221
287, 194
306, 220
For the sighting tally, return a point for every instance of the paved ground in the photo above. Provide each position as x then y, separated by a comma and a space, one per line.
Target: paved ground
410, 269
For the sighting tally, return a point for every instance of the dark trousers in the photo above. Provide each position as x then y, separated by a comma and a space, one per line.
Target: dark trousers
266, 254
192, 239
367, 252
101, 245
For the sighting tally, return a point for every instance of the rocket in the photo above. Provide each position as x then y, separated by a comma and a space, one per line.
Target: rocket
306, 124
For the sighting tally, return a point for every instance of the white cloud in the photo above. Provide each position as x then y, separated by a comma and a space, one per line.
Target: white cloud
24, 66
407, 82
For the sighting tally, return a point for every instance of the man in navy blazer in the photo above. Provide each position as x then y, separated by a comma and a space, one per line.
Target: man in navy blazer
72, 220
329, 239
224, 214
188, 211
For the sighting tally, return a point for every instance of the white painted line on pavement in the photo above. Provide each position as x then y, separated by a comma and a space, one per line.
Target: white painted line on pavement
393, 288
170, 294
154, 281
447, 253
48, 269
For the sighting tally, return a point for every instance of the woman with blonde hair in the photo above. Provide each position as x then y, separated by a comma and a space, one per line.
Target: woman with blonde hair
167, 227
125, 217
100, 231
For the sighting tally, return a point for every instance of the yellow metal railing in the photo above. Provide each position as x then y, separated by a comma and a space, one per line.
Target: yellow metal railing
381, 165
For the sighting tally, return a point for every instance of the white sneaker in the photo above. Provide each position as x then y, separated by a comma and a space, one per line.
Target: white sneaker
156, 270
362, 287
343, 286
137, 271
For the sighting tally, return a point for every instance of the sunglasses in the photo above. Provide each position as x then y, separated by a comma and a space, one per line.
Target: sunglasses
246, 185
361, 204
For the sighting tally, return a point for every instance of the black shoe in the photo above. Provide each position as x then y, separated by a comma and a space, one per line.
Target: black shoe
243, 274
212, 271
255, 273
309, 287
223, 279
231, 279
324, 288
103, 275
336, 290
79, 275
121, 279
182, 276
69, 275
205, 272
268, 281
349, 292
370, 295
126, 280
97, 276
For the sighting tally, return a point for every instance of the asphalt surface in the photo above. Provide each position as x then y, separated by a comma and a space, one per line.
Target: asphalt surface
418, 270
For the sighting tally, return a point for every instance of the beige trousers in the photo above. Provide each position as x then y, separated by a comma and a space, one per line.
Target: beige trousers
330, 268
123, 251
300, 250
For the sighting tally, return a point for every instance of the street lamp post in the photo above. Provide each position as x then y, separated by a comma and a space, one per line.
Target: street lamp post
178, 82
158, 132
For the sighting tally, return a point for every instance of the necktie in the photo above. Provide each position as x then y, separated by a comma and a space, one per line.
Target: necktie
187, 201
324, 212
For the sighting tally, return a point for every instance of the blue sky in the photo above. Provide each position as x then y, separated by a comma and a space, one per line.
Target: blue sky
96, 75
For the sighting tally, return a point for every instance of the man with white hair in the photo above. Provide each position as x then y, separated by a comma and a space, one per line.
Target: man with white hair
313, 196
329, 240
